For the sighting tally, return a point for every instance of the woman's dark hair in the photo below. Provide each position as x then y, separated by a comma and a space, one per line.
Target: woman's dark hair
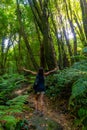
40, 71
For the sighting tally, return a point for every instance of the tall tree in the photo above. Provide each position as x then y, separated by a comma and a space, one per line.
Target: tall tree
23, 33
79, 28
70, 20
41, 14
42, 55
83, 4
64, 30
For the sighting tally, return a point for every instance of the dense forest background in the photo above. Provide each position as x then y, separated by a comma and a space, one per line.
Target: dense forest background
46, 33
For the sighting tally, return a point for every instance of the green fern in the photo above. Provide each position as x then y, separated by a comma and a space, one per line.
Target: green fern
82, 119
1, 128
9, 83
84, 50
2, 112
18, 100
79, 87
78, 101
72, 81
14, 106
11, 122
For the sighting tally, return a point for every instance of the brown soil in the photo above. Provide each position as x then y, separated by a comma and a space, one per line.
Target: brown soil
59, 115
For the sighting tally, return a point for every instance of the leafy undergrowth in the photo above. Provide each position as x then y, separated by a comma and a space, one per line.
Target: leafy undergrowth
71, 85
19, 116
50, 121
8, 113
10, 103
9, 83
66, 89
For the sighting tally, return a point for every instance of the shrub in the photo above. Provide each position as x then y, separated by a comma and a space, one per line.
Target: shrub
71, 83
10, 106
8, 83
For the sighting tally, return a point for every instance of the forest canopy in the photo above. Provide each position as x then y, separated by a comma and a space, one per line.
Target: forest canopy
47, 33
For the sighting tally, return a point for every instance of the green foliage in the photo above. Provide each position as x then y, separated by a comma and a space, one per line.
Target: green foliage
3, 110
9, 83
11, 105
7, 112
78, 58
22, 124
82, 120
10, 122
79, 87
1, 128
61, 82
71, 83
81, 66
17, 103
84, 51
78, 101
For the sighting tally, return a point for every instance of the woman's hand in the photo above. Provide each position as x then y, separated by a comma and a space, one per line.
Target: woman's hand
51, 71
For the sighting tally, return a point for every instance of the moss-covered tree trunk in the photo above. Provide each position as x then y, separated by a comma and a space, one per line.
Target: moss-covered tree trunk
40, 12
25, 38
70, 20
47, 39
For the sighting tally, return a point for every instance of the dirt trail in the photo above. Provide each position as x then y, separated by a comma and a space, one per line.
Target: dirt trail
63, 119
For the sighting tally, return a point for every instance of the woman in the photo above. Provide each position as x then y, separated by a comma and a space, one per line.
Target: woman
40, 90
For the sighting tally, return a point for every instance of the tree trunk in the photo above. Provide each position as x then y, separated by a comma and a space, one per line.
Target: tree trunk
42, 55
80, 32
41, 17
48, 43
60, 55
64, 31
83, 5
71, 26
22, 30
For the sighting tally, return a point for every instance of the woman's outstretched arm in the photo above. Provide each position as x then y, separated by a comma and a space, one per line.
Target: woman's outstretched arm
32, 72
51, 71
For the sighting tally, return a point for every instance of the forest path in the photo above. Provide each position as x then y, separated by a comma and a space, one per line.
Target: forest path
63, 119
58, 117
